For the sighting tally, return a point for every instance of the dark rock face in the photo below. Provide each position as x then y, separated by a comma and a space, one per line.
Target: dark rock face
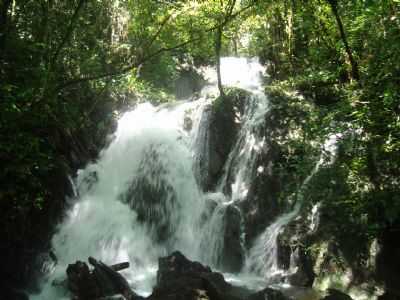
188, 83
7, 293
222, 133
152, 198
22, 246
180, 278
262, 206
268, 294
336, 295
292, 244
388, 262
232, 257
80, 281
304, 275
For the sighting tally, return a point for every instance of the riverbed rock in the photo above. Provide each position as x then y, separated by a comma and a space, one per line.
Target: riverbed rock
152, 197
189, 82
268, 294
222, 133
303, 275
8, 293
333, 294
388, 261
232, 255
180, 278
262, 206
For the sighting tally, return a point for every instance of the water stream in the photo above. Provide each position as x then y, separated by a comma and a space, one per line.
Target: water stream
141, 199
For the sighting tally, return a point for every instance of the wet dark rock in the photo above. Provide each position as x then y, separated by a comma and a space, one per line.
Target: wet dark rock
336, 295
304, 274
188, 83
283, 252
180, 278
388, 260
152, 198
222, 133
102, 281
268, 294
262, 205
8, 293
81, 282
388, 296
232, 255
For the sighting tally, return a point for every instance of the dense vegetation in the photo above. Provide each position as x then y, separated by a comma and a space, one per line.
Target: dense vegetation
65, 66
342, 56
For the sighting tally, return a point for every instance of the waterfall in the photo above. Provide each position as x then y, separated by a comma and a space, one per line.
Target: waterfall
141, 199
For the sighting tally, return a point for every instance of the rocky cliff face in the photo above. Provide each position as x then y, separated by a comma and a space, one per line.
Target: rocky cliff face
322, 247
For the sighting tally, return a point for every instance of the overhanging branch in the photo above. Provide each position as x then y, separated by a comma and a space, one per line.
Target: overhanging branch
155, 53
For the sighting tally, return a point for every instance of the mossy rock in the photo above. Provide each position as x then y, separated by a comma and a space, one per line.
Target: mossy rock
223, 129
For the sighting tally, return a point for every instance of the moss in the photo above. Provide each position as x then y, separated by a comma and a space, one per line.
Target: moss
233, 99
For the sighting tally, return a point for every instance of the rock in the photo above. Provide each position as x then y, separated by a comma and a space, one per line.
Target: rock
13, 294
336, 295
152, 197
232, 253
81, 282
304, 274
268, 294
388, 296
189, 81
177, 265
221, 135
262, 205
180, 278
388, 260
102, 281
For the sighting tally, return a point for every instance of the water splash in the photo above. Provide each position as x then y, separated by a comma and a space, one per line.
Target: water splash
154, 151
262, 258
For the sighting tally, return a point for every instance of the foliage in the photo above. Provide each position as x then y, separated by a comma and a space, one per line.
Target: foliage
305, 52
65, 66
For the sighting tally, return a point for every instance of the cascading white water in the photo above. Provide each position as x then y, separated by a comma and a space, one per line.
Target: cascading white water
150, 145
141, 200
239, 168
262, 258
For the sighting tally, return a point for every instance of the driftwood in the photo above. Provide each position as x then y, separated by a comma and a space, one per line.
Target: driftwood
102, 281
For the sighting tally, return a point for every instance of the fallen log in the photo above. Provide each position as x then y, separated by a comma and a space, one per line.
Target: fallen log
101, 281
120, 266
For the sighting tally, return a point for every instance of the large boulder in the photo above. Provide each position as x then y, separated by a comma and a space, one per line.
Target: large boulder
268, 294
221, 135
99, 283
180, 278
232, 254
188, 82
12, 294
152, 197
333, 294
388, 261
303, 274
262, 206
293, 255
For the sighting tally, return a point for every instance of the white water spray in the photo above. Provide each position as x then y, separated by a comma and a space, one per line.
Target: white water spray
262, 258
140, 200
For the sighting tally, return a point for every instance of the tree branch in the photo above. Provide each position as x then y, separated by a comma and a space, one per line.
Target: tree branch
152, 55
163, 23
68, 33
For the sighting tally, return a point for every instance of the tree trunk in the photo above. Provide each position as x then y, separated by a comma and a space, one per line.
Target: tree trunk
4, 7
218, 42
354, 68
